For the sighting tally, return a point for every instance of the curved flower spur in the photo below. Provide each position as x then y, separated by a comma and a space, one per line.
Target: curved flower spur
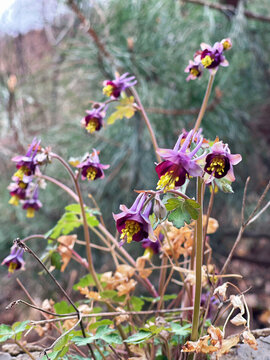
180, 162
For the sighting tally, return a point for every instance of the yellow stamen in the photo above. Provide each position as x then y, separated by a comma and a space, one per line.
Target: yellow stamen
207, 61
12, 267
21, 172
22, 185
92, 125
30, 212
91, 173
108, 90
194, 72
131, 228
14, 200
167, 181
217, 166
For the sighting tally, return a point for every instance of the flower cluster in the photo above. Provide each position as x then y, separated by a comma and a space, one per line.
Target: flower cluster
93, 121
209, 57
23, 189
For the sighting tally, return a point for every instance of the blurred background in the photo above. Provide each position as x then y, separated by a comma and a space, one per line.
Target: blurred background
54, 56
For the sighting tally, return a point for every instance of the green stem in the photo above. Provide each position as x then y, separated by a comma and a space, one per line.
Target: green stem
204, 104
199, 260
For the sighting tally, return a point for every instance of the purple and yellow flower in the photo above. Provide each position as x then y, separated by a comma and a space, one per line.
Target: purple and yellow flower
17, 192
219, 163
32, 204
26, 164
194, 69
212, 57
91, 167
14, 261
113, 88
93, 121
133, 224
179, 162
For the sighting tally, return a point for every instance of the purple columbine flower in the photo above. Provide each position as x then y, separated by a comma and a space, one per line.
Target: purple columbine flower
194, 69
211, 57
26, 164
17, 192
32, 204
219, 163
93, 121
133, 224
91, 167
179, 162
226, 43
113, 88
14, 261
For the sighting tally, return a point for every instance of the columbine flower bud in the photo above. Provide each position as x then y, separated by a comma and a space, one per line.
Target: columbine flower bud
159, 208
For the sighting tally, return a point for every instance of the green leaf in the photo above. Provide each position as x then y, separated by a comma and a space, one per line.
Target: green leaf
181, 330
137, 303
81, 341
124, 109
67, 223
108, 294
91, 220
19, 328
56, 260
192, 207
173, 203
139, 337
99, 323
103, 330
63, 308
61, 343
86, 280
112, 338
5, 332
179, 216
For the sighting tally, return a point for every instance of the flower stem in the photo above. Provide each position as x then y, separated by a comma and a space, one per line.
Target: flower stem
147, 122
204, 104
199, 259
85, 225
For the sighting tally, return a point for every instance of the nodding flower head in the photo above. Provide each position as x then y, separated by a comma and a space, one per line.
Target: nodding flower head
14, 261
26, 164
17, 192
113, 88
133, 224
212, 57
194, 69
93, 121
91, 167
219, 163
32, 204
179, 162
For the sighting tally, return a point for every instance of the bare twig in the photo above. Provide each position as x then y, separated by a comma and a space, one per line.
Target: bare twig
231, 9
19, 301
22, 245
